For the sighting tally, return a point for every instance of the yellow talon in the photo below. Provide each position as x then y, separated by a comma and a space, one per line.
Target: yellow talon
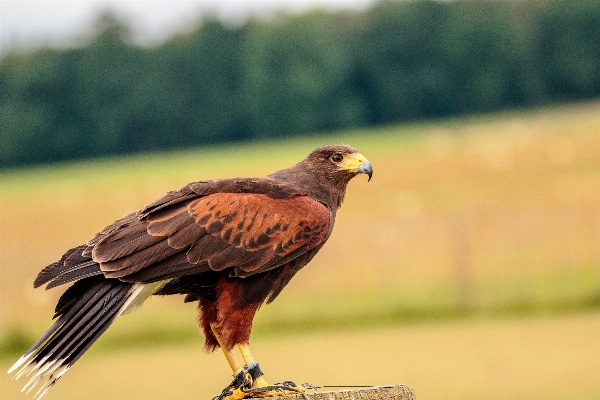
259, 383
236, 395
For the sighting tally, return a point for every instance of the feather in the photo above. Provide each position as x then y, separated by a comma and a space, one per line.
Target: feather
84, 270
138, 260
186, 236
94, 290
167, 226
124, 242
229, 257
250, 266
199, 285
172, 267
96, 304
205, 248
56, 268
161, 207
125, 221
76, 257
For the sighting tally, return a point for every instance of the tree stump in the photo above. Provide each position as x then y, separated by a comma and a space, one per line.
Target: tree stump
396, 392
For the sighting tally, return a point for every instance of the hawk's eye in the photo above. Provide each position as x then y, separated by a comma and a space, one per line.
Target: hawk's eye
337, 158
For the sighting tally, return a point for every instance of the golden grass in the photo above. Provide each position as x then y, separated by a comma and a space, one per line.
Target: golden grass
526, 358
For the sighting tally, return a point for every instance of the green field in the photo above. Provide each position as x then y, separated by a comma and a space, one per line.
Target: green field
492, 215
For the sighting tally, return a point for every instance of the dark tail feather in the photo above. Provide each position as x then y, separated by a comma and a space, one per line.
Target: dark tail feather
85, 311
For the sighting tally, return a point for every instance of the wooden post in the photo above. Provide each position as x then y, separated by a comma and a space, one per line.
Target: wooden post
395, 392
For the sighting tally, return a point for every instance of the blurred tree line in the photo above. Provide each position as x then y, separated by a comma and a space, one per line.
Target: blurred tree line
396, 61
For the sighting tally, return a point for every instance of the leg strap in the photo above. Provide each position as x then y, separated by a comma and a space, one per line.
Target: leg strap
254, 370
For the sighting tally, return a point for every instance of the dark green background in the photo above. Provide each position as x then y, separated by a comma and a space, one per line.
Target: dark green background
294, 74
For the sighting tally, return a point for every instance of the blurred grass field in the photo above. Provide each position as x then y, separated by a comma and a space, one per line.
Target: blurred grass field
534, 358
490, 215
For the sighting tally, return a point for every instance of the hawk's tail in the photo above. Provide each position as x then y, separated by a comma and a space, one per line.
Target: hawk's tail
85, 311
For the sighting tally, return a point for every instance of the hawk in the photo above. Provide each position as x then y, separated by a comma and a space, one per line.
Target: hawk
229, 244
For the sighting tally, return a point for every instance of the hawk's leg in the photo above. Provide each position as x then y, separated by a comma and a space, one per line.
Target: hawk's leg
253, 368
248, 380
242, 380
231, 360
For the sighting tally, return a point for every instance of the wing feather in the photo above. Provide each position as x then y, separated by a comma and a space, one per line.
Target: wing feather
246, 233
124, 242
84, 271
267, 229
137, 261
171, 267
206, 248
168, 223
59, 267
229, 257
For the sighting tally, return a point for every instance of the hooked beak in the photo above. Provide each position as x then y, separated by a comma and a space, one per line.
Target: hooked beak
366, 168
357, 163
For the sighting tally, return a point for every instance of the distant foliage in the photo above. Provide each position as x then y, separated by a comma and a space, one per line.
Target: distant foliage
397, 61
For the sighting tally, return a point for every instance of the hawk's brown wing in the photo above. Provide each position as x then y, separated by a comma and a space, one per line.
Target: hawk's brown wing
247, 224
246, 232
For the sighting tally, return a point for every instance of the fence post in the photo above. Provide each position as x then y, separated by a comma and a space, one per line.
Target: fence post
395, 392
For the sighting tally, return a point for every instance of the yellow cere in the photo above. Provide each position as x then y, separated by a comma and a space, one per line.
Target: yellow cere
352, 161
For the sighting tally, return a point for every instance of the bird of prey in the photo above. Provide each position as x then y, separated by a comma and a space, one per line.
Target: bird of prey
228, 244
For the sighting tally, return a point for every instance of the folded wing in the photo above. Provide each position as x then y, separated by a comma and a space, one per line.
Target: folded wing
244, 233
247, 233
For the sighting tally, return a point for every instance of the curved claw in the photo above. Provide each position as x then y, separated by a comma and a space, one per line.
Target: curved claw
237, 394
272, 388
307, 385
289, 384
223, 395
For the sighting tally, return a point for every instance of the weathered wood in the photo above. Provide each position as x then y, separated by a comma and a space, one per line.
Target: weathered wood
396, 392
